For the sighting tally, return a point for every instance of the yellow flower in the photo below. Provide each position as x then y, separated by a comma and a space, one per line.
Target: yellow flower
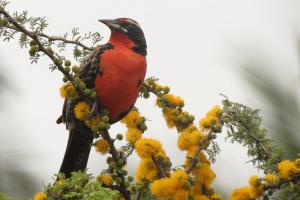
179, 178
105, 179
147, 147
215, 111
40, 196
205, 175
216, 196
133, 134
146, 171
131, 118
171, 188
271, 178
181, 195
162, 189
254, 181
170, 115
189, 137
201, 197
174, 100
211, 118
286, 168
102, 146
243, 193
82, 110
66, 89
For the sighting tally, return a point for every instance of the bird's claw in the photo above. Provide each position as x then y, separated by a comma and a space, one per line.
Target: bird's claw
94, 110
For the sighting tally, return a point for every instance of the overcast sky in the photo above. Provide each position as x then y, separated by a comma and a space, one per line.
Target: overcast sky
194, 46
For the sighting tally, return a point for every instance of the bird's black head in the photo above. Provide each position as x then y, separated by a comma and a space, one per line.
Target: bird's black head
130, 28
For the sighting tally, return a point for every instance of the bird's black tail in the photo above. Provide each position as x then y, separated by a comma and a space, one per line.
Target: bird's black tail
78, 149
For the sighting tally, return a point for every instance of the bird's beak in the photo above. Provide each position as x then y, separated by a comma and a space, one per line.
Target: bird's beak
112, 24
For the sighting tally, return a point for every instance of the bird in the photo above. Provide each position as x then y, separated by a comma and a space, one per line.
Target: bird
116, 72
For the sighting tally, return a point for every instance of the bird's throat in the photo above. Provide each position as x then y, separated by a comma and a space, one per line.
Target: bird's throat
118, 38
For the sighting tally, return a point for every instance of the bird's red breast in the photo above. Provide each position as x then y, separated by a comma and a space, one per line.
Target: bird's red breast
123, 72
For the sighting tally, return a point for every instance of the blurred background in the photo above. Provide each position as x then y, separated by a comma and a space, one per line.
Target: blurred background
246, 49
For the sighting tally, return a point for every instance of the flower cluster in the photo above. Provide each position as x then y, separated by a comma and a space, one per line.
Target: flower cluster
152, 157
102, 146
68, 91
212, 120
177, 187
258, 186
40, 196
105, 179
136, 126
82, 110
190, 139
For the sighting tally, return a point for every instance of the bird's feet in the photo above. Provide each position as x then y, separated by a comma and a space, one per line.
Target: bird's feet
94, 110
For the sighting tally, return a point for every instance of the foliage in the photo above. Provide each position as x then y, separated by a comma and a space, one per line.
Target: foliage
155, 176
4, 197
79, 186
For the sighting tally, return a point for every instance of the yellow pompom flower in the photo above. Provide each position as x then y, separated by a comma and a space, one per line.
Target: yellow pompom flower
179, 178
184, 140
286, 168
205, 175
82, 110
66, 89
146, 171
147, 147
102, 146
201, 197
170, 115
174, 100
133, 135
105, 179
171, 188
243, 193
215, 111
211, 118
181, 195
162, 189
271, 178
131, 118
188, 137
40, 196
254, 181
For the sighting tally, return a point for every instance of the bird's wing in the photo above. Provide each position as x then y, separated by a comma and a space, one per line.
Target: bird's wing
88, 71
91, 66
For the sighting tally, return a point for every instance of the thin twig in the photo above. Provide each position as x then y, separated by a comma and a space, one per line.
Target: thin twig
116, 155
34, 37
200, 147
56, 38
160, 169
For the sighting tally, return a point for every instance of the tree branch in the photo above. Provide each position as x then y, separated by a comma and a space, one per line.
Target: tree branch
201, 146
116, 156
160, 169
56, 38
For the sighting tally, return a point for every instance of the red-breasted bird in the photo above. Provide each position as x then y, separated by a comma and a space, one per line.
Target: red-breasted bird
116, 72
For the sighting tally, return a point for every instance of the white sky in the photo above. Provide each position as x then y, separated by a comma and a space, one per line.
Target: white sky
193, 46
